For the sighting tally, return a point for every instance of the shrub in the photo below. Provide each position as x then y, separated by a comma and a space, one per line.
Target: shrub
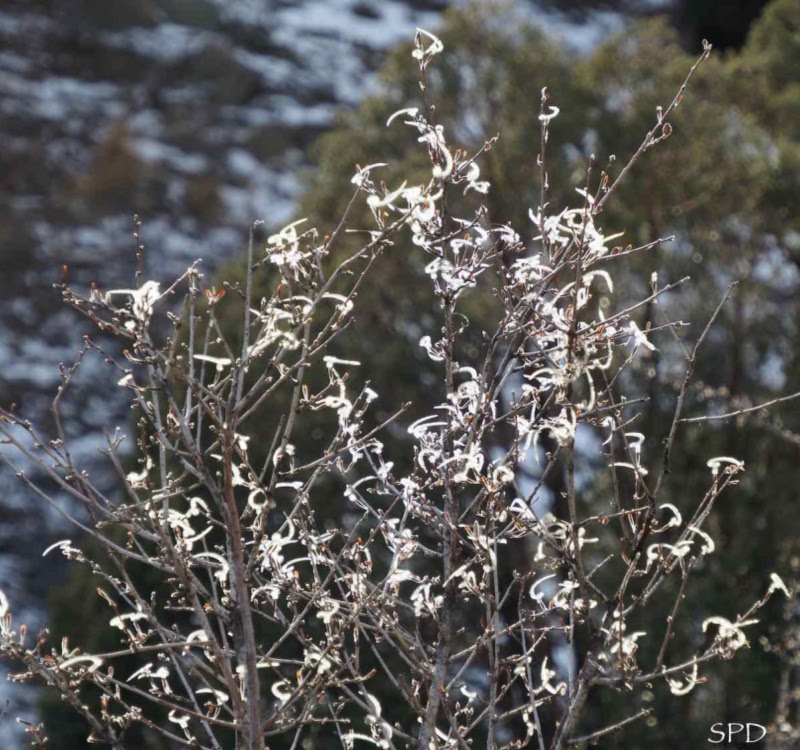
251, 614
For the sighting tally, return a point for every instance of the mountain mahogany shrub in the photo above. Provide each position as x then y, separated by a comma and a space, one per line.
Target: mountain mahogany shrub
269, 625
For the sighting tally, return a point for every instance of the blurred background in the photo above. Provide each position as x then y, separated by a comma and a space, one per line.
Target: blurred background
204, 115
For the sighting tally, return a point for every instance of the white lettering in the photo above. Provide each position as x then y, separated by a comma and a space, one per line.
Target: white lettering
721, 732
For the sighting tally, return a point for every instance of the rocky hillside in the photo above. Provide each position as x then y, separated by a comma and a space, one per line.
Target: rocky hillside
194, 113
